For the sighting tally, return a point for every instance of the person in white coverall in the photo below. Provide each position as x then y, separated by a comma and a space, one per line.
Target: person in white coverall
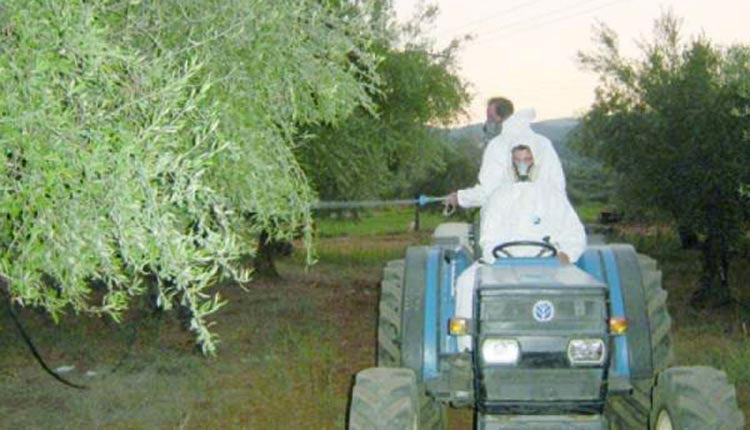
526, 209
496, 168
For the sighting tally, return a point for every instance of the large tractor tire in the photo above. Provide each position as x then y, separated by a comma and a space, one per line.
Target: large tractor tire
695, 398
631, 412
432, 414
662, 353
389, 314
385, 399
400, 326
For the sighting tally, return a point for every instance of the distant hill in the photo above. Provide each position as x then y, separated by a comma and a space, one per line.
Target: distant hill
556, 130
585, 177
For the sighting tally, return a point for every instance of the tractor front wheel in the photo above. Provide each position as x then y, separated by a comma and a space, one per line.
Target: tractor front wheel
694, 398
385, 399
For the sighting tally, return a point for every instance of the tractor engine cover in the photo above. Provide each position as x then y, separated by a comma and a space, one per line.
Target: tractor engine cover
541, 342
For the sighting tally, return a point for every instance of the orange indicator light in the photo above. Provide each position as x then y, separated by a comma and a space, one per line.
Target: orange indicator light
458, 326
618, 326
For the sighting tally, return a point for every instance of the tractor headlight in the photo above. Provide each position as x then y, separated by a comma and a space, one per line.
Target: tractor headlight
501, 351
586, 351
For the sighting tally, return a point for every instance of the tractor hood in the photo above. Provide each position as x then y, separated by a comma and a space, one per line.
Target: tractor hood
527, 276
529, 319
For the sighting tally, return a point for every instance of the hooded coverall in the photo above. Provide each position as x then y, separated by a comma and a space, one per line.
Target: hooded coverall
521, 211
497, 168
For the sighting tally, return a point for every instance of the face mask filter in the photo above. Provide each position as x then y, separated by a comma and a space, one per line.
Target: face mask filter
523, 170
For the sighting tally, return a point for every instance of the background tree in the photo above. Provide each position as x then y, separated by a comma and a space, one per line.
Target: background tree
674, 125
136, 136
384, 149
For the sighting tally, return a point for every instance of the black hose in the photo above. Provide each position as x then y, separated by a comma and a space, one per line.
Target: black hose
36, 354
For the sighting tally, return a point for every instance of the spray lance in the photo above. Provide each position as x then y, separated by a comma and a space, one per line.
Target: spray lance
421, 201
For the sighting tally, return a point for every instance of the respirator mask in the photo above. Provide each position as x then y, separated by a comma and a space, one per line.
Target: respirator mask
523, 171
492, 129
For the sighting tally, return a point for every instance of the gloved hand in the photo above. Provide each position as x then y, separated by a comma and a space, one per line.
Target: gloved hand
450, 204
563, 257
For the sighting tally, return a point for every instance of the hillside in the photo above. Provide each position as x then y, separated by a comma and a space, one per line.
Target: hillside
555, 130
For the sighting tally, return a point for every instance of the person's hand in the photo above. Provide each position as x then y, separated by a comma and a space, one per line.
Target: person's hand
450, 203
563, 257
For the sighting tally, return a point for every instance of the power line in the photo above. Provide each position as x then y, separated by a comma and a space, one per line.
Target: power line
505, 31
460, 28
504, 23
536, 18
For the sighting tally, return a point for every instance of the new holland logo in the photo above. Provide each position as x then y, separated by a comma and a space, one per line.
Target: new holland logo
543, 311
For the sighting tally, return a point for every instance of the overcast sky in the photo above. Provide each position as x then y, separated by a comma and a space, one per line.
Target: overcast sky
526, 49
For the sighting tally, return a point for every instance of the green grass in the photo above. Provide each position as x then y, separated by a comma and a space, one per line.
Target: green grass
712, 337
385, 221
288, 351
589, 211
367, 250
373, 238
123, 397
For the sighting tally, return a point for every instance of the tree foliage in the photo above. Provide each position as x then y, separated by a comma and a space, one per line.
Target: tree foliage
461, 156
385, 149
138, 136
674, 125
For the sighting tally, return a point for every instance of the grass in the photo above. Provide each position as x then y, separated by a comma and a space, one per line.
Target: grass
366, 251
373, 238
289, 347
121, 397
382, 222
713, 337
589, 211
285, 361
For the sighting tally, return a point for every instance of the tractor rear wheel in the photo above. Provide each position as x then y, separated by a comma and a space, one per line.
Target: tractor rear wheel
631, 412
385, 399
688, 398
389, 314
432, 412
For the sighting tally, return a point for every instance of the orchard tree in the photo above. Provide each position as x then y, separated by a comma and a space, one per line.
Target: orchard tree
673, 124
462, 156
153, 140
384, 149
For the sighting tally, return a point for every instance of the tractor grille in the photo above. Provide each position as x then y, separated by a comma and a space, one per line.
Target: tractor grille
515, 314
543, 375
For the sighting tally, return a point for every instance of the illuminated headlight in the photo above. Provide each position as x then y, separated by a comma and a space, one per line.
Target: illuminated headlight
501, 351
586, 351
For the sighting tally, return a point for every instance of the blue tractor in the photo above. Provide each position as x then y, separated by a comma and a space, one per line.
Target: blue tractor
555, 347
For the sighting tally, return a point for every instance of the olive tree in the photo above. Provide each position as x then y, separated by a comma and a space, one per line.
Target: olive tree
152, 140
673, 124
384, 149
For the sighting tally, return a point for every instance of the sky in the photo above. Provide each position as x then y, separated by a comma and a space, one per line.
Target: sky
526, 49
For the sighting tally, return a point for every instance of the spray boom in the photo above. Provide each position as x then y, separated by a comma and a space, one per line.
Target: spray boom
421, 201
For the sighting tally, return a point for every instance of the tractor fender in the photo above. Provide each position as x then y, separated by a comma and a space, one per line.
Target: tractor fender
617, 266
412, 316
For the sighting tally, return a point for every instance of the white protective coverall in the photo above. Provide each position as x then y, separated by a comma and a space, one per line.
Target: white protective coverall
497, 167
521, 211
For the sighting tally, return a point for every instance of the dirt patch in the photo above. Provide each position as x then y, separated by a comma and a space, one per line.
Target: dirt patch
288, 351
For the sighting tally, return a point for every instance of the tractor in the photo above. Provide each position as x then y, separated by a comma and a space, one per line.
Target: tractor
554, 347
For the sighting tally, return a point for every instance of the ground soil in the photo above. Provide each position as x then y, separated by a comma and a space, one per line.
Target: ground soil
289, 350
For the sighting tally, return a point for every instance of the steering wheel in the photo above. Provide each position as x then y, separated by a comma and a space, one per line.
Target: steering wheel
547, 250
